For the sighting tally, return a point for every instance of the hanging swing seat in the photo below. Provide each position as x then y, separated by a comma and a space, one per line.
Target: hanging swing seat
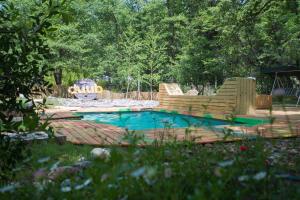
286, 81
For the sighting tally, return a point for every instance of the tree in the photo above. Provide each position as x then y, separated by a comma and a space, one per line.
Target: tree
218, 38
154, 58
23, 51
130, 66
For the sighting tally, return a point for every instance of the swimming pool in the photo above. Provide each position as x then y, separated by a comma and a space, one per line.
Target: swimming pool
147, 120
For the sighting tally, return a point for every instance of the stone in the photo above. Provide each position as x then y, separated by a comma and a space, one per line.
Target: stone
243, 178
85, 184
10, 188
40, 174
54, 166
65, 186
43, 160
83, 164
226, 163
60, 138
27, 137
100, 153
104, 177
168, 172
260, 175
104, 103
64, 170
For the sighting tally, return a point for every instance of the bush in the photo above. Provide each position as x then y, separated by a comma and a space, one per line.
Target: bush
23, 51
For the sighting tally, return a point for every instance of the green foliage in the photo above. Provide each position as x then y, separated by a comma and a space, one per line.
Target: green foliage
23, 50
231, 38
22, 53
196, 42
11, 153
250, 169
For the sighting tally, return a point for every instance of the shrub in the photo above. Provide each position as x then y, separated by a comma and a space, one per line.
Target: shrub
23, 51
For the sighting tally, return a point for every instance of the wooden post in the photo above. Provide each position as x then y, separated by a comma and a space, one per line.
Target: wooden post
246, 96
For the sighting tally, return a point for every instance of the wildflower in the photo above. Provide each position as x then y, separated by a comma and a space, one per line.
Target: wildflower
243, 148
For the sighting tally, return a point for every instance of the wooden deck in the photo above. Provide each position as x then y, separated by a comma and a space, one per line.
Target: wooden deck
286, 124
84, 132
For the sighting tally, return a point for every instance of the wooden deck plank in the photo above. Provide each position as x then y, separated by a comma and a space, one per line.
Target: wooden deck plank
88, 132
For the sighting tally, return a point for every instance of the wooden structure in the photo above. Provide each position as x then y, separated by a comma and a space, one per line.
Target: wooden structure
235, 96
286, 124
263, 101
286, 81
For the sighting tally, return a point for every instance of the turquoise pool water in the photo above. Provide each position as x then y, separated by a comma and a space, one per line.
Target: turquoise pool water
146, 120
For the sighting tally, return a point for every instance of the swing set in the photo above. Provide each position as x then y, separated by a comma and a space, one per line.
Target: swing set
286, 81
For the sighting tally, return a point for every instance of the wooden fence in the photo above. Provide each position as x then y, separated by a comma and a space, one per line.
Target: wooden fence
62, 91
236, 95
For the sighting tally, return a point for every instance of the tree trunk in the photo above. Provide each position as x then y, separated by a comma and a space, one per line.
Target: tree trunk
151, 91
216, 82
58, 76
139, 89
127, 90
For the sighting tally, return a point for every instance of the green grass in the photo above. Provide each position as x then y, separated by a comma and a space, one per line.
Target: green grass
172, 171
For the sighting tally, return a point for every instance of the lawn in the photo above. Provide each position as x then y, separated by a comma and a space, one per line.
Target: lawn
256, 169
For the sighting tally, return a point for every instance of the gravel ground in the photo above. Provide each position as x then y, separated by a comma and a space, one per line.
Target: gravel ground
284, 151
103, 103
